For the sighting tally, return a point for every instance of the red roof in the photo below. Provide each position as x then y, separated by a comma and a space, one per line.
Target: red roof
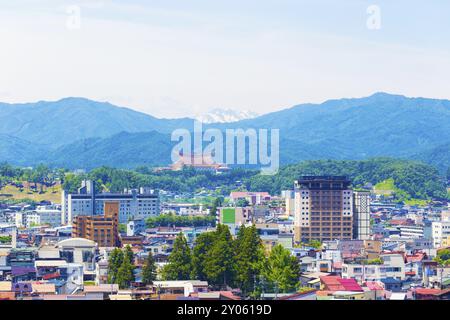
425, 291
416, 257
373, 285
229, 295
351, 285
336, 283
402, 222
51, 276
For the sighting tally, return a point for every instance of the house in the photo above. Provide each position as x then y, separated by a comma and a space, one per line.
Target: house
377, 288
392, 284
336, 283
306, 295
254, 198
393, 266
427, 294
103, 289
181, 287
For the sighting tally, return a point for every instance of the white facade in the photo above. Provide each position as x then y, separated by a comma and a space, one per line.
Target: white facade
39, 217
301, 204
289, 199
361, 216
411, 232
393, 266
133, 204
440, 232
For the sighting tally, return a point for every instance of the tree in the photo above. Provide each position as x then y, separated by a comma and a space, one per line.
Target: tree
203, 244
242, 203
128, 254
125, 274
114, 263
249, 254
443, 257
180, 261
281, 270
149, 270
218, 202
219, 260
316, 244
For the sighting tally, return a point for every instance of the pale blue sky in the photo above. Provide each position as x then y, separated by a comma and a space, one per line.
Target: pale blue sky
174, 58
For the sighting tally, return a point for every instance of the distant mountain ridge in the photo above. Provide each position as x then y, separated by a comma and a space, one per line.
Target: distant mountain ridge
77, 132
226, 116
61, 122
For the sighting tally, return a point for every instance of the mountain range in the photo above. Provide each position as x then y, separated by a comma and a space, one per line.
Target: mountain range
81, 133
225, 116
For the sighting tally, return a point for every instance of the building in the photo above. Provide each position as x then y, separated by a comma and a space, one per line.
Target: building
253, 198
440, 232
393, 266
289, 200
135, 227
204, 162
412, 232
104, 229
133, 204
361, 215
323, 209
43, 215
234, 217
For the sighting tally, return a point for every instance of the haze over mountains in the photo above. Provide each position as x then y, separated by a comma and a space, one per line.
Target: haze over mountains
81, 133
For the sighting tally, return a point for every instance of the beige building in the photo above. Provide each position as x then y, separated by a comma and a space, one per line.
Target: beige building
103, 230
323, 209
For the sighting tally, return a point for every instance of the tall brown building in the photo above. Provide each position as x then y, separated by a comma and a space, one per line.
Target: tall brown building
104, 230
323, 209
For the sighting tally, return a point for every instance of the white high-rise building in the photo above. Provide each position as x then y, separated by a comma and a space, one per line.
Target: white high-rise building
361, 215
133, 204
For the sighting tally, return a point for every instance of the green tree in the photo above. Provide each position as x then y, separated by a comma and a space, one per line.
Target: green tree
218, 202
219, 262
149, 272
128, 254
249, 254
443, 257
203, 244
180, 261
125, 274
114, 263
242, 203
281, 270
316, 244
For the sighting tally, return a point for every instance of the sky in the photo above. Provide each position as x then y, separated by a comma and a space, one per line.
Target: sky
176, 58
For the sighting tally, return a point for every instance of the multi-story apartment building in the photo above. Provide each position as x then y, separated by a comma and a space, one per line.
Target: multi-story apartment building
323, 209
133, 204
440, 233
412, 232
393, 266
103, 230
43, 215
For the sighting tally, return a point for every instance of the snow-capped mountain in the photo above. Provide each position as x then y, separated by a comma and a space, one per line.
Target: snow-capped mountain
225, 116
